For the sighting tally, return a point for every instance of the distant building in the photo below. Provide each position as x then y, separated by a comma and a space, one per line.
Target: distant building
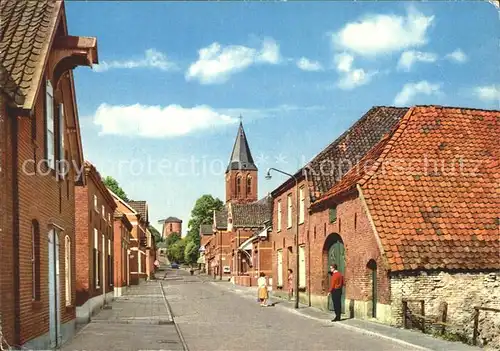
171, 225
239, 247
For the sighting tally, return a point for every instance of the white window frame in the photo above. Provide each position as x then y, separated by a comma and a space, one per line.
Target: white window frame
279, 216
301, 205
302, 266
62, 161
103, 211
289, 213
96, 247
95, 204
280, 266
50, 146
67, 273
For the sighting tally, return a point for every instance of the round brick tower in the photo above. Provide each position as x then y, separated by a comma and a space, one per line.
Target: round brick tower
171, 225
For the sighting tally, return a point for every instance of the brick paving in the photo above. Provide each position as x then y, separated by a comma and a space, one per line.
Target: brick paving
214, 318
139, 320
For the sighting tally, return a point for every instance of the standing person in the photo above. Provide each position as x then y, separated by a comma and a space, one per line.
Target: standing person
262, 290
269, 292
336, 285
290, 284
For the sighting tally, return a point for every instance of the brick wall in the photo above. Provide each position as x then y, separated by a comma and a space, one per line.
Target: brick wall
244, 197
171, 227
482, 289
88, 217
6, 224
121, 235
354, 228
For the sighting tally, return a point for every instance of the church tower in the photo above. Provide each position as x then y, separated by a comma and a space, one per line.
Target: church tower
241, 173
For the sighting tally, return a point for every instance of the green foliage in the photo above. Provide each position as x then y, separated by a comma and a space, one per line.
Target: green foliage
113, 185
202, 213
191, 253
156, 234
172, 239
175, 251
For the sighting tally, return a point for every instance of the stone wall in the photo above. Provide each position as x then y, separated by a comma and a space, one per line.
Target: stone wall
461, 291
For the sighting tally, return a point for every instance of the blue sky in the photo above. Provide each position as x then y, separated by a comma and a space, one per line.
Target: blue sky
160, 111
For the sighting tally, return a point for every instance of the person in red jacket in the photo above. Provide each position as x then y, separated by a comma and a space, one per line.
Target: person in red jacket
336, 285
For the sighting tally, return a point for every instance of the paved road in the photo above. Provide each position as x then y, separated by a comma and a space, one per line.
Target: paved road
139, 320
213, 318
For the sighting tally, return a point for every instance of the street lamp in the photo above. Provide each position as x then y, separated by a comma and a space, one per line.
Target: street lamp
297, 266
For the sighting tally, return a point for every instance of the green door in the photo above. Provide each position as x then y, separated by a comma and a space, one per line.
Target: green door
336, 254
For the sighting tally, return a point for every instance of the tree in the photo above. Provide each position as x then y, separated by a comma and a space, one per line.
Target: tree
172, 239
191, 253
112, 184
202, 213
156, 234
175, 252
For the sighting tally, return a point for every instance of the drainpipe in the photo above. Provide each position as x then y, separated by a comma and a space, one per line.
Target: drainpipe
3, 187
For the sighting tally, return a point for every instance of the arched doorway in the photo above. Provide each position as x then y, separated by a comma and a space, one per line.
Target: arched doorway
372, 267
335, 254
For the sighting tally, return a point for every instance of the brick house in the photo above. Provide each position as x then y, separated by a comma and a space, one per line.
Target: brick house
40, 161
206, 233
122, 230
146, 243
241, 226
138, 239
415, 218
94, 254
170, 225
314, 179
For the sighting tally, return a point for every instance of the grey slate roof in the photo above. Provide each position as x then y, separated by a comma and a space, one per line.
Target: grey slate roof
140, 207
241, 157
221, 218
339, 157
171, 220
206, 229
254, 214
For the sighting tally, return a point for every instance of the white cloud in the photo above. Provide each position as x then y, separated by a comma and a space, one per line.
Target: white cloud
410, 57
174, 120
308, 65
216, 64
457, 56
157, 121
350, 77
380, 34
152, 59
410, 90
488, 93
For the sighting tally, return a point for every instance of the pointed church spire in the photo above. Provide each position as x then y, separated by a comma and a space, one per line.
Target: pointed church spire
241, 157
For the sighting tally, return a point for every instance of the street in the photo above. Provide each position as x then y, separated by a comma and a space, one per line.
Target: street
211, 318
184, 312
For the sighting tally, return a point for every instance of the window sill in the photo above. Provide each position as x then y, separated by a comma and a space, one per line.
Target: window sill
36, 305
301, 223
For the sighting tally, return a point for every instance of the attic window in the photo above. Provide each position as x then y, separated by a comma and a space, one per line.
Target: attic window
333, 214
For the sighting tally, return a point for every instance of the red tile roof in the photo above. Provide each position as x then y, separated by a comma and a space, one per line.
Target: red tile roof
433, 193
26, 28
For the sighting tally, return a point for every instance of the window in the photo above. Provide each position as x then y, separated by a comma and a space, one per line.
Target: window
110, 264
289, 212
35, 261
61, 157
279, 215
109, 218
103, 212
95, 203
238, 186
280, 267
96, 272
67, 265
302, 267
171, 227
333, 214
249, 185
301, 205
49, 126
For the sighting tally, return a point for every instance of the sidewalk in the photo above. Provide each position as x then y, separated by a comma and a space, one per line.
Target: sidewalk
403, 336
139, 320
